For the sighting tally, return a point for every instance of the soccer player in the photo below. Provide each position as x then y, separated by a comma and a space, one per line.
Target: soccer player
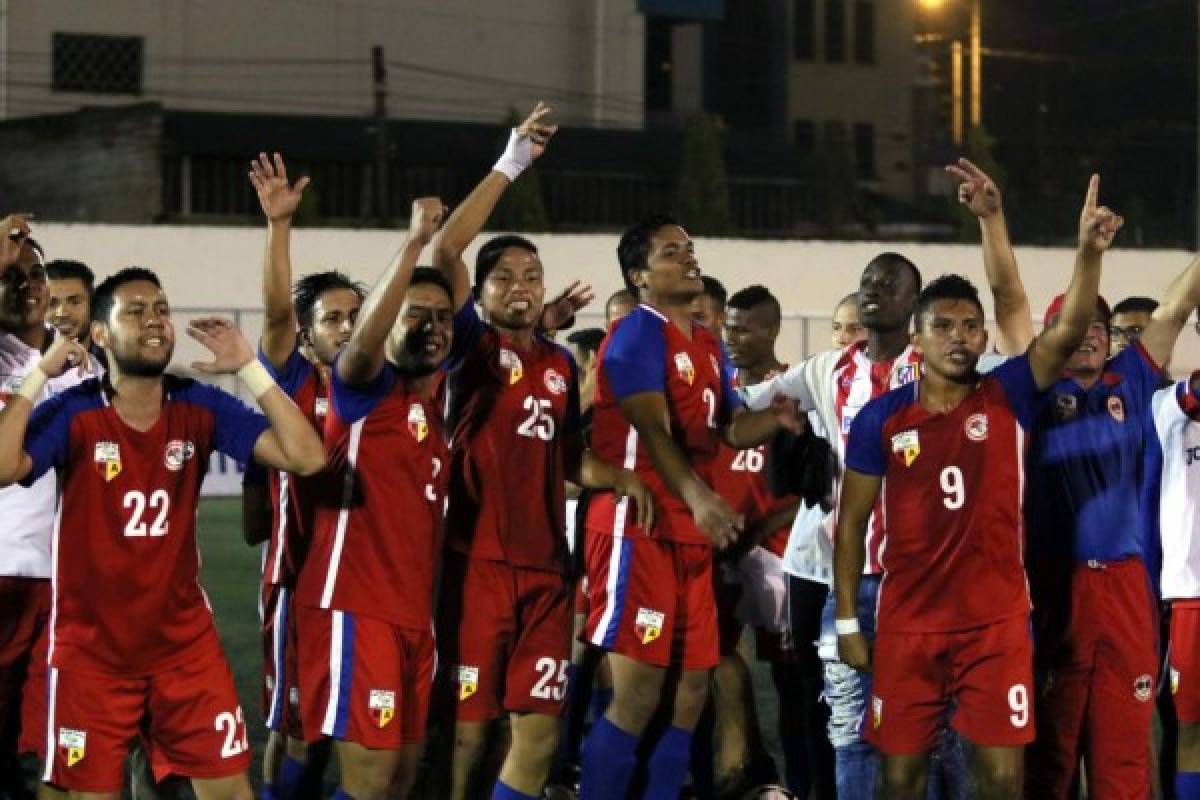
516, 436
663, 403
364, 597
708, 310
947, 454
846, 328
304, 328
1129, 319
132, 645
70, 310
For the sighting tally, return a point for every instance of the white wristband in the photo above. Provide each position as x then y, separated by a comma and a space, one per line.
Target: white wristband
517, 156
32, 384
845, 627
256, 378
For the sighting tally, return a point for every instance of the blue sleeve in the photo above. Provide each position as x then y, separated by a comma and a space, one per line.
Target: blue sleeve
864, 448
468, 327
47, 435
573, 421
635, 359
295, 371
1015, 377
236, 428
1136, 366
352, 403
731, 401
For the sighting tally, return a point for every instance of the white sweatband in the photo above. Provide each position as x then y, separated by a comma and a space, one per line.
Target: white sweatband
32, 384
517, 156
845, 627
256, 378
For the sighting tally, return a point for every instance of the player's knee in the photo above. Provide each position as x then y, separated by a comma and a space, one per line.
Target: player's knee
903, 778
633, 705
1000, 779
470, 739
534, 748
690, 698
1188, 746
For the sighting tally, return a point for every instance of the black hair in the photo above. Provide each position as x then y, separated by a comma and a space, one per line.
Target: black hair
889, 259
946, 287
104, 298
715, 289
754, 297
436, 277
587, 339
634, 248
1146, 305
489, 254
62, 269
308, 290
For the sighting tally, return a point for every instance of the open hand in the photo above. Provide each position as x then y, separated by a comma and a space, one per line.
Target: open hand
1098, 225
717, 520
228, 345
278, 198
559, 311
976, 190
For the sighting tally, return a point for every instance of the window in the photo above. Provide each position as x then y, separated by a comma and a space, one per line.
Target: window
804, 32
864, 150
835, 31
864, 32
804, 136
100, 64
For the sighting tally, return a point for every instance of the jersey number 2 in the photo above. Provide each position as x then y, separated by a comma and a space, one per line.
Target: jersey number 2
136, 503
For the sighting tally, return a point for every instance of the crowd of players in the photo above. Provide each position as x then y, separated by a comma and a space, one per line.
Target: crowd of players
948, 552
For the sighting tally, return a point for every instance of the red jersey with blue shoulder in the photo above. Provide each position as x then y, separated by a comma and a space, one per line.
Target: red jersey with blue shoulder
646, 352
294, 497
952, 489
127, 596
374, 550
512, 412
1087, 464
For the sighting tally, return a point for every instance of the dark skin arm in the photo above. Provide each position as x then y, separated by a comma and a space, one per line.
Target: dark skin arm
859, 493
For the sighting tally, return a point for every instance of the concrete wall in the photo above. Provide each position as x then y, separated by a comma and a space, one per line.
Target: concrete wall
220, 268
473, 60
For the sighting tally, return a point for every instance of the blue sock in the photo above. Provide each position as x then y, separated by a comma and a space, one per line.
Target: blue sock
669, 765
609, 756
600, 700
1187, 786
268, 792
502, 791
291, 775
340, 794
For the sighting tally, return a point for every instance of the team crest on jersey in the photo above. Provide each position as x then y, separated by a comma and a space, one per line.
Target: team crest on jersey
976, 427
649, 624
321, 407
512, 362
1066, 407
1116, 408
382, 705
468, 681
905, 374
876, 711
554, 381
683, 365
1143, 688
418, 425
908, 444
108, 460
179, 452
73, 743
1174, 681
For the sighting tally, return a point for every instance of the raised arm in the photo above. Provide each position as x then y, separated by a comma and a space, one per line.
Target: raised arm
291, 443
1051, 349
982, 197
525, 144
859, 493
1181, 299
279, 201
365, 353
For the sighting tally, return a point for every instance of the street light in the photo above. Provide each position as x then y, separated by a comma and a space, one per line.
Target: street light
975, 36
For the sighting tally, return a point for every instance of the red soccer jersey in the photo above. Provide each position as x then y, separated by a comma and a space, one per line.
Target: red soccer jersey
511, 412
952, 495
646, 352
127, 597
294, 497
374, 551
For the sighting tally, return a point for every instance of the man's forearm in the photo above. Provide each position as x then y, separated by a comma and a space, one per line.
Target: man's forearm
750, 429
680, 479
279, 319
849, 556
364, 354
1008, 292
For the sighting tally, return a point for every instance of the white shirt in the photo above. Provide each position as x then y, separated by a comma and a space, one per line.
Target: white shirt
28, 513
1178, 517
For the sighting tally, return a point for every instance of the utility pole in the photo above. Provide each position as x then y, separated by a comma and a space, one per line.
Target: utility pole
379, 74
976, 63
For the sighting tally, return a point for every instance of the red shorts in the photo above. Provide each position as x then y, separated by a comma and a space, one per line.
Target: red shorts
24, 608
1185, 659
188, 717
33, 700
281, 680
363, 680
506, 637
987, 672
651, 600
